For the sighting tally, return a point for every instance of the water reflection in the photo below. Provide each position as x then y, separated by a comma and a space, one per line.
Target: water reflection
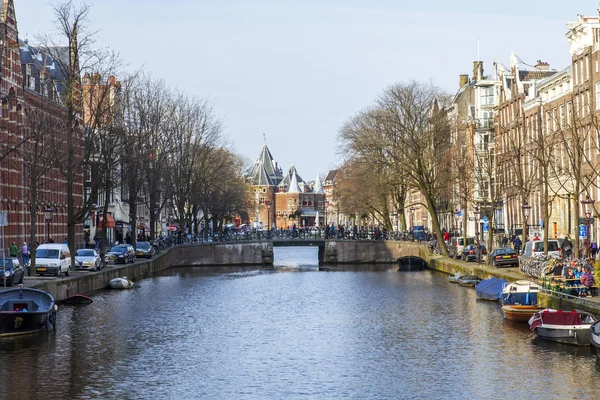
255, 333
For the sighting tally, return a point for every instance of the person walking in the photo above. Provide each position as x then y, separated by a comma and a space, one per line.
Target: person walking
517, 245
567, 247
594, 249
25, 252
504, 241
14, 250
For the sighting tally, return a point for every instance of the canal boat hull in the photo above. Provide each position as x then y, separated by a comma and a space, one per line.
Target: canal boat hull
567, 327
513, 312
25, 311
595, 337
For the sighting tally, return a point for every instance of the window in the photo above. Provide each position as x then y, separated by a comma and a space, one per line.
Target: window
569, 112
562, 115
487, 96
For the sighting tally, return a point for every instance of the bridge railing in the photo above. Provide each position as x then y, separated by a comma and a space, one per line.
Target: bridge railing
298, 234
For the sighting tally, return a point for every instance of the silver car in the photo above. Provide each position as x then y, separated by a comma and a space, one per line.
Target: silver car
87, 259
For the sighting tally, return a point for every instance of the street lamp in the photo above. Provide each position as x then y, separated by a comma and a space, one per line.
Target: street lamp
526, 211
326, 205
587, 204
476, 214
48, 216
457, 216
269, 215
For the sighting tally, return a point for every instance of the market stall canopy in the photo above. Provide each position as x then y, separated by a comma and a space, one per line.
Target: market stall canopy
110, 222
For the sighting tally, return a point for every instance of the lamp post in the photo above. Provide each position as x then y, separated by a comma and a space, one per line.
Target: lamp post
269, 216
526, 211
587, 204
457, 219
476, 214
48, 216
325, 206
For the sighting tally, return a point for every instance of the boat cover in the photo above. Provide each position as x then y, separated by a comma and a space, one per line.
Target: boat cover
556, 317
490, 289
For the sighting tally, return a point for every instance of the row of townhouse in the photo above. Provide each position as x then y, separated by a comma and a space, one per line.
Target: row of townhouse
530, 137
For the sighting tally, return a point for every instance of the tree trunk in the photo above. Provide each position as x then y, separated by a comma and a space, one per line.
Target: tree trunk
436, 225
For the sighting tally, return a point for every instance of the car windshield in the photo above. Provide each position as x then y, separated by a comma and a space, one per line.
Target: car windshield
552, 245
118, 249
46, 253
6, 263
143, 245
505, 251
85, 253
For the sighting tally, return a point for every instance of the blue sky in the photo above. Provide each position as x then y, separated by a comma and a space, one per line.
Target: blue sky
295, 70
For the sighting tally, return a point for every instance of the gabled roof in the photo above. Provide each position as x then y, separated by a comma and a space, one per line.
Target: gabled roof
294, 187
285, 182
266, 159
331, 175
260, 177
318, 188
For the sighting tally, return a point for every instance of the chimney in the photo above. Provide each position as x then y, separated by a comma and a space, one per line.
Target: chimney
542, 66
477, 70
463, 80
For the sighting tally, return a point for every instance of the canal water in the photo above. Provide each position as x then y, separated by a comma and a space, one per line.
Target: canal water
295, 332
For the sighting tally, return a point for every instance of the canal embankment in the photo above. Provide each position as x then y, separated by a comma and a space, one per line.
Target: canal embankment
546, 299
202, 254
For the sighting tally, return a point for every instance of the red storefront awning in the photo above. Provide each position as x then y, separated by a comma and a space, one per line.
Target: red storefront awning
110, 222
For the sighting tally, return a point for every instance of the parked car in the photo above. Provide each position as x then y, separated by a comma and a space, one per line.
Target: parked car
457, 244
13, 272
504, 257
52, 258
87, 259
144, 249
536, 248
469, 252
121, 253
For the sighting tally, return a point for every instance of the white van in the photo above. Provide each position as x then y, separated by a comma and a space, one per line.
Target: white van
457, 244
54, 259
536, 248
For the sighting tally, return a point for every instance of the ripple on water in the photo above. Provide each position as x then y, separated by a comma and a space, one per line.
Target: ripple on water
253, 333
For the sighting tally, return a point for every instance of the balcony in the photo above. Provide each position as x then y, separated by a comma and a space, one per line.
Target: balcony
484, 123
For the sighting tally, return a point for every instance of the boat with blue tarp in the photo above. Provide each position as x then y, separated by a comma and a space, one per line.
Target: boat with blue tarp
490, 289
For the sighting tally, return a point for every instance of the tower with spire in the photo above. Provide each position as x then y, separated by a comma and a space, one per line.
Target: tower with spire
282, 199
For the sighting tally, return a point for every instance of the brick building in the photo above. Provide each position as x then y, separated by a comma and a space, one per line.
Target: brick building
30, 83
282, 200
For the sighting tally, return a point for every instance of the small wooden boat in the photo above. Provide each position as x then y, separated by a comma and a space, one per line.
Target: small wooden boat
519, 300
25, 311
455, 277
411, 263
490, 289
77, 299
568, 327
121, 283
469, 280
595, 337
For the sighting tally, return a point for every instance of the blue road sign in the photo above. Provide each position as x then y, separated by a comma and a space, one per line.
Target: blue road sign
583, 231
485, 219
485, 227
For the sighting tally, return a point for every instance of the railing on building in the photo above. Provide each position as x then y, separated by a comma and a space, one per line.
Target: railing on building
484, 123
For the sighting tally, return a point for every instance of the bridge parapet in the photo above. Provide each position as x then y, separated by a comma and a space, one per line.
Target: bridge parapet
367, 251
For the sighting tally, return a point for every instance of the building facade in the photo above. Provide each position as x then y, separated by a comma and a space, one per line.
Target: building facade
30, 87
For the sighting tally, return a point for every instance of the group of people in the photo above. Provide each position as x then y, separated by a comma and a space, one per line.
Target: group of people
575, 275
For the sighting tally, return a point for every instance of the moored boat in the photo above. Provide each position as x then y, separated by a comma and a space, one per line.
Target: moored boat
469, 280
519, 300
455, 277
77, 299
568, 327
490, 289
595, 337
121, 283
25, 311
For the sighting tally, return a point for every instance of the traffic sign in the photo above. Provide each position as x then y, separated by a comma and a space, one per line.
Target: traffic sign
583, 231
3, 218
485, 227
485, 219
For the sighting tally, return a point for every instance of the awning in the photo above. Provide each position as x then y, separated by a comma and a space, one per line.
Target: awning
110, 222
308, 213
143, 226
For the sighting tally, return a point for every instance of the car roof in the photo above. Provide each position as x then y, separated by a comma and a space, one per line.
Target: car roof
53, 246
